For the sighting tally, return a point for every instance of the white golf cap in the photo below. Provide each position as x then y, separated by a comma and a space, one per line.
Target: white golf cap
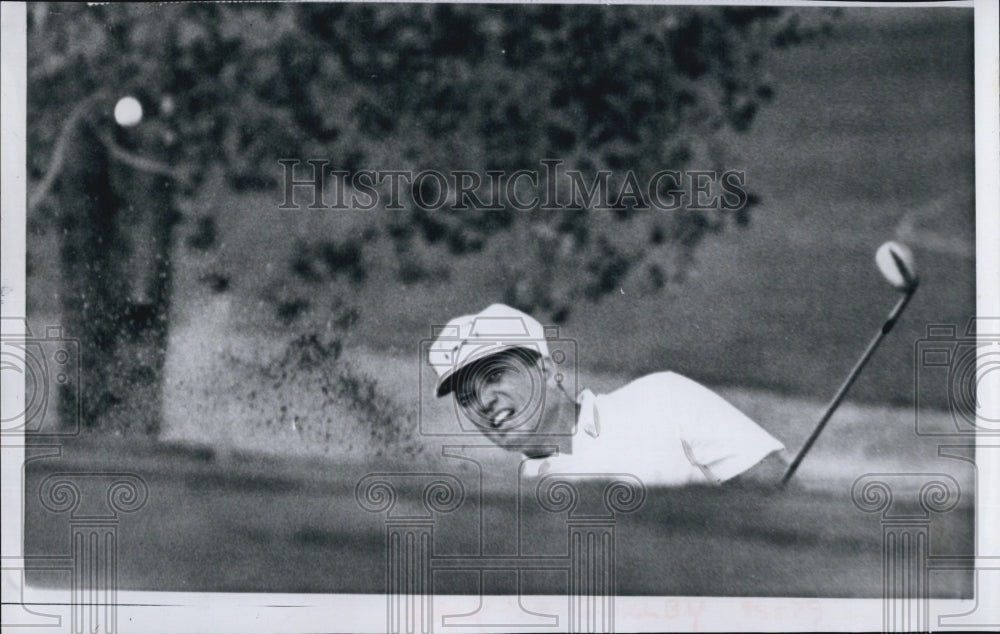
470, 338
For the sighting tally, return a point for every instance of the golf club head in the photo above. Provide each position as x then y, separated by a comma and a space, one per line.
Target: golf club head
895, 262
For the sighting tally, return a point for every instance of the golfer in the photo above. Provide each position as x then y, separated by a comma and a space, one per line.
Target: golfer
662, 428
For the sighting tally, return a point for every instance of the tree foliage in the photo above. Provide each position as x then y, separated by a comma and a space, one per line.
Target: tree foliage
431, 86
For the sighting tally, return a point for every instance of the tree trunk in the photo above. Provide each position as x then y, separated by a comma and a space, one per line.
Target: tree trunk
116, 230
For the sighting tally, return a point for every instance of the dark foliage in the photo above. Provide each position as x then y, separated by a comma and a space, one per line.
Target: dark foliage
442, 86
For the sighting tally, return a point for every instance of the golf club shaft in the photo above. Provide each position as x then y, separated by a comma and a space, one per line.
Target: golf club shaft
886, 327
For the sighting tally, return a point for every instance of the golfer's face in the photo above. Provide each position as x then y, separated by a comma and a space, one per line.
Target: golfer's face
502, 394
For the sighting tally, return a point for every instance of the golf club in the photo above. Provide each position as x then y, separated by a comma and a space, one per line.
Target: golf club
895, 261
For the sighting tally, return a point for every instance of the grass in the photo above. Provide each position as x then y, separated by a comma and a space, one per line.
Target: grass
248, 523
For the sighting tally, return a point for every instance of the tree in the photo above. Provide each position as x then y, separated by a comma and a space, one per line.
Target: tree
445, 87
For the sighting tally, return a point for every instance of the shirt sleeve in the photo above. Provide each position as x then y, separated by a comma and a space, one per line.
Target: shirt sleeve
719, 439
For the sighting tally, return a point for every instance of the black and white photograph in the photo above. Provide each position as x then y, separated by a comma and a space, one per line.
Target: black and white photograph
450, 317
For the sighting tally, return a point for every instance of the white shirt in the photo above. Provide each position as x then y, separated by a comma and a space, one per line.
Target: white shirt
663, 428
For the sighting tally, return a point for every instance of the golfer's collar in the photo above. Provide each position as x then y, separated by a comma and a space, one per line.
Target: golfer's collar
587, 418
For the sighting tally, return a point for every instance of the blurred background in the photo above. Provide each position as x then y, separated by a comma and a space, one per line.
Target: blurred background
219, 333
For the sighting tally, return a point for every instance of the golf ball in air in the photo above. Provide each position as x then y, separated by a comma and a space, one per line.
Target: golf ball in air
128, 112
